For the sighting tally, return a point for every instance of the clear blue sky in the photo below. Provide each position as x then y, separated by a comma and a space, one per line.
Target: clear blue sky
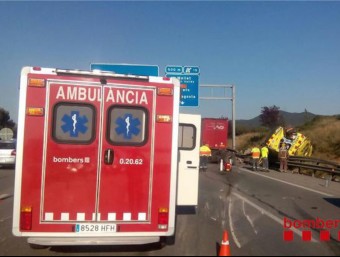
282, 53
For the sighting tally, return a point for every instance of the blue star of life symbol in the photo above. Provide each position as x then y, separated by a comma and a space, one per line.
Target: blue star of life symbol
128, 126
74, 124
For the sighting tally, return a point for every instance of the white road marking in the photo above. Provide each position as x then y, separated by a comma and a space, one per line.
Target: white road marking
288, 183
268, 214
231, 225
248, 218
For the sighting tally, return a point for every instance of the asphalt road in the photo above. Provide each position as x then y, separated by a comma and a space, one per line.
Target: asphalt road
250, 206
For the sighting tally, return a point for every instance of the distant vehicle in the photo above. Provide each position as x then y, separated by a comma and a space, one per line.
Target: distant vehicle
7, 153
103, 158
215, 135
298, 144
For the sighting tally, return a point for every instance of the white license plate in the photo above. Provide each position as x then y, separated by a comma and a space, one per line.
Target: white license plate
96, 228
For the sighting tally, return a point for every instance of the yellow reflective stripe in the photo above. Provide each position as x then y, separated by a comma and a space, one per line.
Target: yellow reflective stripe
205, 153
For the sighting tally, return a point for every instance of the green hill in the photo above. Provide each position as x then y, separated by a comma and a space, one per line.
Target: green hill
291, 119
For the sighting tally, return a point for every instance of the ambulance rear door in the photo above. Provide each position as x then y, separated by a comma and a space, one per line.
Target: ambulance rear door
71, 156
127, 154
98, 162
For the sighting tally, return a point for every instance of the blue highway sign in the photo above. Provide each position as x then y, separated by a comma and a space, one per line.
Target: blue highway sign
193, 70
174, 69
189, 89
189, 78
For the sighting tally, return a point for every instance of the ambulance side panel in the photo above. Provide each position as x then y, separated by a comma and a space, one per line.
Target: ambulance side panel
188, 171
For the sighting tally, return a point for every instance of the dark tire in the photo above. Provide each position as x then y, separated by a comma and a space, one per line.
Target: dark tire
168, 240
38, 247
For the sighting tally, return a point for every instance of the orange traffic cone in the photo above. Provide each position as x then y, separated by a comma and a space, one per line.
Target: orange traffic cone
225, 249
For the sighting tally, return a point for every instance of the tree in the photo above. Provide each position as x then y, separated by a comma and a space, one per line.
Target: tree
5, 120
270, 117
307, 116
4, 117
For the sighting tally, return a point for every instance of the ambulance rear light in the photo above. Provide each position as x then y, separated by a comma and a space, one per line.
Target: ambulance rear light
36, 82
165, 91
163, 218
164, 118
26, 218
33, 111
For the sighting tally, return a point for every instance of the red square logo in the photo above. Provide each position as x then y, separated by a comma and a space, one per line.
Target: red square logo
339, 236
306, 235
325, 235
288, 235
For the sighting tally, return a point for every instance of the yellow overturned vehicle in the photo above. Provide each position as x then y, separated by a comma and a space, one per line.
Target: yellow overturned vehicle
298, 144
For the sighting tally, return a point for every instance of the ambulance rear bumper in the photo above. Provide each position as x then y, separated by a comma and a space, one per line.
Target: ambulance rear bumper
61, 241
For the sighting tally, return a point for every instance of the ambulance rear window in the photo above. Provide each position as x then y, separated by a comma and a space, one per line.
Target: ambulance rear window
186, 137
127, 126
73, 123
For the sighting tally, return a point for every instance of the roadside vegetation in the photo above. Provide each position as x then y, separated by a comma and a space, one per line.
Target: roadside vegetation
6, 121
324, 133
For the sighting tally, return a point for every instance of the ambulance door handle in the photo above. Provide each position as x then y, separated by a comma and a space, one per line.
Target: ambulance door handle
109, 157
192, 167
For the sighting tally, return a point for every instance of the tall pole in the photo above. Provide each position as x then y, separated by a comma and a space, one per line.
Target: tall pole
232, 98
234, 117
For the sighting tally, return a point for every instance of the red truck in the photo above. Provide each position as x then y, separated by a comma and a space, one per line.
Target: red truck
215, 134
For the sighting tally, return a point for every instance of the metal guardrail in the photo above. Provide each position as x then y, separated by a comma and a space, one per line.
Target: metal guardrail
313, 164
308, 163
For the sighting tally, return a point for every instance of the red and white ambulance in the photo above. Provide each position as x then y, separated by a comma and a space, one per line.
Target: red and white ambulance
97, 157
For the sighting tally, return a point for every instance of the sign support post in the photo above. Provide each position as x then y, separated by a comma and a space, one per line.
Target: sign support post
232, 99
